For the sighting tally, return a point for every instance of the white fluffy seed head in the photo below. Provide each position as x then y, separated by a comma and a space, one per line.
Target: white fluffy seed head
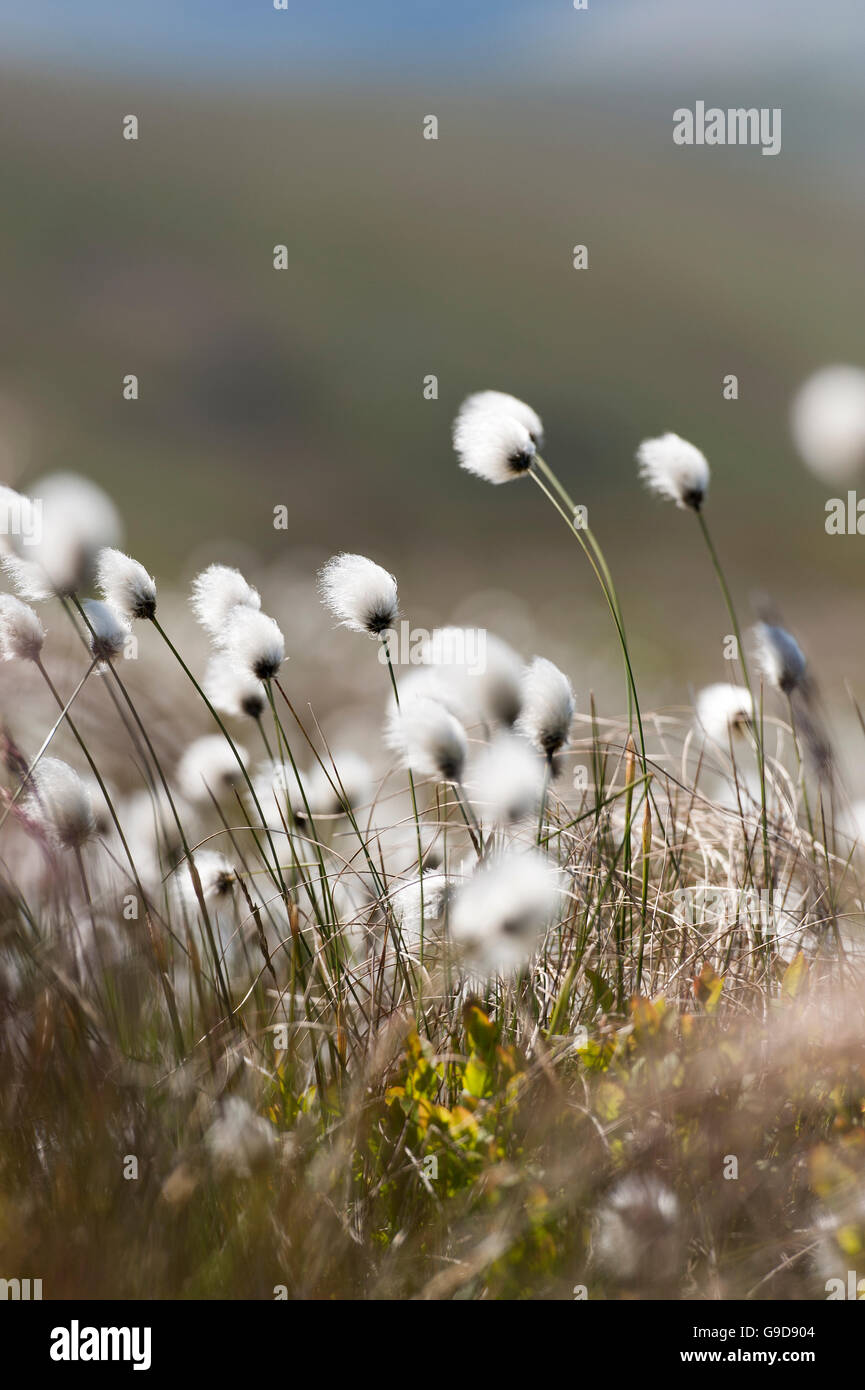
108, 633
493, 446
431, 683
547, 707
252, 642
239, 1141
420, 904
779, 657
429, 739
68, 521
125, 584
216, 592
233, 691
498, 916
827, 420
209, 767
484, 673
636, 1235
215, 874
271, 786
21, 633
506, 780
724, 710
674, 469
359, 593
500, 403
59, 802
328, 791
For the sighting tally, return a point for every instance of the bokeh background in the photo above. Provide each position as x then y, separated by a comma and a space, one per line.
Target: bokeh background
409, 257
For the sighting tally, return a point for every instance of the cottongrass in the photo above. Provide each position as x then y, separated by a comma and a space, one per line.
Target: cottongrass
828, 423
495, 447
429, 739
21, 632
675, 470
252, 643
125, 585
59, 803
548, 705
291, 998
216, 592
360, 594
724, 711
498, 917
779, 657
108, 633
208, 768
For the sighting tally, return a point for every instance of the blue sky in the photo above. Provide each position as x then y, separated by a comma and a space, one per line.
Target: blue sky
531, 39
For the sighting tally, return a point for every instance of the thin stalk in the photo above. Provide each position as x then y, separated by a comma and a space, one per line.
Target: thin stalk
64, 710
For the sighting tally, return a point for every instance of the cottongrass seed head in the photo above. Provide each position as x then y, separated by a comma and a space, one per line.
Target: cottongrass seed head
125, 584
21, 633
636, 1232
500, 403
723, 711
779, 657
233, 691
215, 874
674, 469
498, 917
483, 672
827, 421
506, 780
59, 802
218, 590
429, 739
253, 643
209, 767
239, 1142
70, 519
108, 633
360, 594
328, 790
547, 707
493, 446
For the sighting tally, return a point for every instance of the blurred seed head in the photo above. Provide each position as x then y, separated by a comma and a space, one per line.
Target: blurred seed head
637, 1238
827, 421
506, 780
724, 710
239, 1141
209, 766
498, 917
71, 520
108, 633
779, 657
429, 739
482, 670
58, 801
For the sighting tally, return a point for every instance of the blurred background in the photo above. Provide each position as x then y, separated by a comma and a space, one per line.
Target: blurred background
409, 257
